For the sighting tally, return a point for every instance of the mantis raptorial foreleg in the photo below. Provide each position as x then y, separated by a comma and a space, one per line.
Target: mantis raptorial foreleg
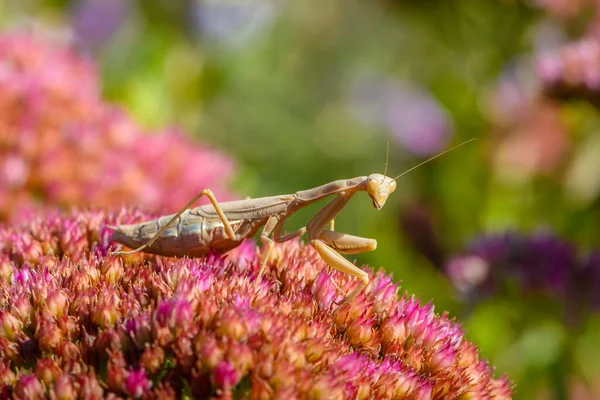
347, 244
324, 241
213, 200
338, 262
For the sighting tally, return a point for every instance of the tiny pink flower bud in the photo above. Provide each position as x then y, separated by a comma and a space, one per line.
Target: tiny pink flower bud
325, 291
153, 359
162, 334
165, 392
441, 388
364, 390
63, 388
207, 311
31, 250
116, 373
467, 356
11, 327
241, 357
232, 325
502, 388
112, 269
7, 377
81, 281
294, 354
360, 331
414, 358
360, 306
23, 309
6, 270
325, 387
9, 351
49, 336
314, 350
283, 375
442, 358
137, 383
89, 387
107, 339
29, 387
424, 391
47, 370
176, 314
393, 331
384, 292
69, 326
225, 376
208, 352
139, 329
69, 351
184, 353
405, 384
105, 315
56, 302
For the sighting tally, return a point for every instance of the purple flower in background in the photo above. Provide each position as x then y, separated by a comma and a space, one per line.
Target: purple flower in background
232, 22
537, 263
161, 327
95, 21
588, 280
415, 119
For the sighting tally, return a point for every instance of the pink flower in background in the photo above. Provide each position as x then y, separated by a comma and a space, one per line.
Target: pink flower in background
563, 8
61, 145
529, 136
165, 328
572, 70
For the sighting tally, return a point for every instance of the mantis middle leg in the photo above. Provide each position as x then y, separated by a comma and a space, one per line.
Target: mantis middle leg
274, 225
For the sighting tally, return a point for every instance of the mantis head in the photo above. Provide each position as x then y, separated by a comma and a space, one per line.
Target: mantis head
379, 188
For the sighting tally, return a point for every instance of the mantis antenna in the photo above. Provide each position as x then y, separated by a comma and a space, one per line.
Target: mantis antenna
387, 154
433, 158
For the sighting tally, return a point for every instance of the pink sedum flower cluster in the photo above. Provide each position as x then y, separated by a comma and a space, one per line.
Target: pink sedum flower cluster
573, 70
76, 322
62, 145
563, 8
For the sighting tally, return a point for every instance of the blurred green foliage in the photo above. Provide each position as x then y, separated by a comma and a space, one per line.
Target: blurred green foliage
274, 89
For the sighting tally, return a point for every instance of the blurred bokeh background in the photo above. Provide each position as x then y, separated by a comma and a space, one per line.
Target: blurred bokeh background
270, 97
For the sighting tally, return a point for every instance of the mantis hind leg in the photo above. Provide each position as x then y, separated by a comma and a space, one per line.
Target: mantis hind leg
213, 200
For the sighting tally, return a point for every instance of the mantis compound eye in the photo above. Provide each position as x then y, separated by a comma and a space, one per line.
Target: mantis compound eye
373, 187
391, 186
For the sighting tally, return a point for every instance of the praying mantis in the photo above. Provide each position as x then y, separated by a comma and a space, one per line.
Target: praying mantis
220, 227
